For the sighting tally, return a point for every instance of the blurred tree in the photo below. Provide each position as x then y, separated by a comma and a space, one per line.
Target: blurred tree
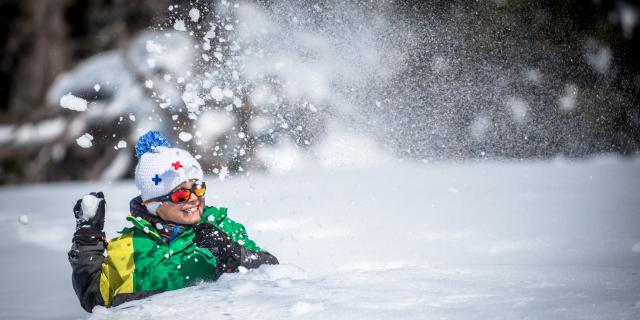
519, 79
502, 78
39, 40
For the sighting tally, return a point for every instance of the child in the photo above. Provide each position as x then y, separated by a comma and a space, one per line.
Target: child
175, 240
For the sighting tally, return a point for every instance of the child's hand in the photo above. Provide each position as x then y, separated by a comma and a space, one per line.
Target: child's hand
219, 243
89, 211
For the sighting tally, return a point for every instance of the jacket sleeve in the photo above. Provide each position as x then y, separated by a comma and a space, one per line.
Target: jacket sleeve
252, 260
86, 258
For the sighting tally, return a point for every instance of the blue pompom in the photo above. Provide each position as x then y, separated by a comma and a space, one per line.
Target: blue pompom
150, 140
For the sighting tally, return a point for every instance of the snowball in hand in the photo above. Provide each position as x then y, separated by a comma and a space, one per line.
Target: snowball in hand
89, 206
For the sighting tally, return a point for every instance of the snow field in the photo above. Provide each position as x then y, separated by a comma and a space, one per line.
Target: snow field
491, 240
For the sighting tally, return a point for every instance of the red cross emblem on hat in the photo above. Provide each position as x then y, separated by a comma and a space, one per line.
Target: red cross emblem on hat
176, 165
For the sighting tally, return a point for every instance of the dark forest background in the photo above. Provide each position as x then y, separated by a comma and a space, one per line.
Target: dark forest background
41, 39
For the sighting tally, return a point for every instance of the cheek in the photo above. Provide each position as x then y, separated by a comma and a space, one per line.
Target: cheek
160, 211
166, 211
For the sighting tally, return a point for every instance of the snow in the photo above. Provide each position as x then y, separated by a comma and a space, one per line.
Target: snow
179, 25
303, 307
118, 89
33, 133
518, 109
194, 14
89, 206
185, 136
479, 127
153, 47
567, 102
282, 157
457, 293
539, 240
349, 150
23, 219
599, 57
216, 93
84, 141
628, 18
533, 75
72, 102
343, 58
214, 123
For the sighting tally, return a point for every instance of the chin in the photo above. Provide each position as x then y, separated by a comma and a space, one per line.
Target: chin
192, 219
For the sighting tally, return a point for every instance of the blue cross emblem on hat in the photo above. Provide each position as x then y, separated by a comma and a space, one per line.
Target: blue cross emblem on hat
156, 179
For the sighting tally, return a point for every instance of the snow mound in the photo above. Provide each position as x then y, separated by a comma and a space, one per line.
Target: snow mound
409, 293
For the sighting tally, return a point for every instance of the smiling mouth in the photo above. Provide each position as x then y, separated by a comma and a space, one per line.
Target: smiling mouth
190, 211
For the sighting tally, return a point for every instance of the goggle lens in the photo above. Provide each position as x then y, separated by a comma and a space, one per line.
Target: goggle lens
183, 195
199, 189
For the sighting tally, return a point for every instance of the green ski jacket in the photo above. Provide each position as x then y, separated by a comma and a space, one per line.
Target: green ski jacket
139, 263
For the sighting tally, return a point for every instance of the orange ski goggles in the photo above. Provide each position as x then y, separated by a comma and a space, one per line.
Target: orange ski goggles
181, 195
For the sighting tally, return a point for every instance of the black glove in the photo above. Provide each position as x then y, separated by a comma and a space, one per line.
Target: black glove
226, 251
95, 218
89, 225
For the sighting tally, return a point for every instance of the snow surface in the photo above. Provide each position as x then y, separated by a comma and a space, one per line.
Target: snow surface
478, 240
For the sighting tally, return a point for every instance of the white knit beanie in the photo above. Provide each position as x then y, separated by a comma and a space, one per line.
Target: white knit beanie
161, 168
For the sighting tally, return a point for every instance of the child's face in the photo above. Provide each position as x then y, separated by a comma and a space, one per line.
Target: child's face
188, 212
